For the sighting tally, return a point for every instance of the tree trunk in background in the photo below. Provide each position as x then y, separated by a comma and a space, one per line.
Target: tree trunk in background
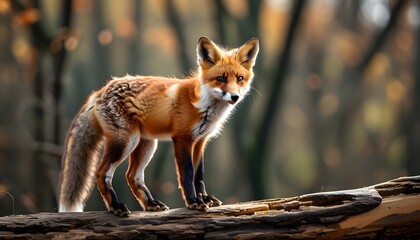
175, 21
412, 126
102, 71
62, 34
59, 61
40, 176
261, 146
137, 41
220, 18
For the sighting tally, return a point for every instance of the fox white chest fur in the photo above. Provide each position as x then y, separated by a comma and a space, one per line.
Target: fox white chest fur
128, 116
214, 113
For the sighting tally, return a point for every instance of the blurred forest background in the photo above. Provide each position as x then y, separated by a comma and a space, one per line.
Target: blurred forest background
335, 103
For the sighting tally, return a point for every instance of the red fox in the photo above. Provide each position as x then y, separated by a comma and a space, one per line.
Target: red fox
128, 116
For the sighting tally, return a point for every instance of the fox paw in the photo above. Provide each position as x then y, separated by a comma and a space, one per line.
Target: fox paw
156, 205
120, 210
211, 200
197, 204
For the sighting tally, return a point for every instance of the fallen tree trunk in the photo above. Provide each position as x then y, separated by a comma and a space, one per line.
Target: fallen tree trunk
386, 210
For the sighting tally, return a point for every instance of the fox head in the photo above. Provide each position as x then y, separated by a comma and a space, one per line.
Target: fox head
226, 74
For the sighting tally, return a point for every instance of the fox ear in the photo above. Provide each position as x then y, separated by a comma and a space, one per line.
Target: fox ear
247, 53
208, 54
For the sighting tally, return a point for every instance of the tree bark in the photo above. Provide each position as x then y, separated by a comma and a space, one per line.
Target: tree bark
386, 210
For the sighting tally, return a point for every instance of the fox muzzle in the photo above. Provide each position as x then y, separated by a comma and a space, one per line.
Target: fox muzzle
230, 98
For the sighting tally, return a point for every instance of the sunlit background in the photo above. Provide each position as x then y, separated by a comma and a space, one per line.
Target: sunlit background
334, 104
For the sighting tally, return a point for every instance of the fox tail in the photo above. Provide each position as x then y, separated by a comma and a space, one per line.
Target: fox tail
80, 160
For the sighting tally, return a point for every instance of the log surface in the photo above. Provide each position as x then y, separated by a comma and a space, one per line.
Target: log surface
386, 210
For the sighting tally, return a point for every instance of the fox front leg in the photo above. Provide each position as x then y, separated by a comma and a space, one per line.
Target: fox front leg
209, 200
200, 188
185, 171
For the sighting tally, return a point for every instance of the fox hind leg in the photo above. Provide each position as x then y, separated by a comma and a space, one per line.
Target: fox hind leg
116, 150
138, 161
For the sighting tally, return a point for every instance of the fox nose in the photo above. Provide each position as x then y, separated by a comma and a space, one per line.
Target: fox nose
231, 98
234, 97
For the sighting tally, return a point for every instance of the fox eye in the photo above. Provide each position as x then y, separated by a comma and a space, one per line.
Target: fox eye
240, 78
220, 79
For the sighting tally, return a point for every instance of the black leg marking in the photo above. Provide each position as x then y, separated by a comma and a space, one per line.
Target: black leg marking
188, 178
115, 154
199, 178
200, 187
117, 208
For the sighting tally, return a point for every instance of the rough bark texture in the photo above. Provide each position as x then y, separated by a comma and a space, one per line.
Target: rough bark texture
383, 211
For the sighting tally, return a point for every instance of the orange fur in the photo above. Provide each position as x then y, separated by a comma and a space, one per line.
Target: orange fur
127, 116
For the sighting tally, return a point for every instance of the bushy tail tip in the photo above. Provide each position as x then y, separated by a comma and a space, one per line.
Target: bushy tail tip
77, 207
